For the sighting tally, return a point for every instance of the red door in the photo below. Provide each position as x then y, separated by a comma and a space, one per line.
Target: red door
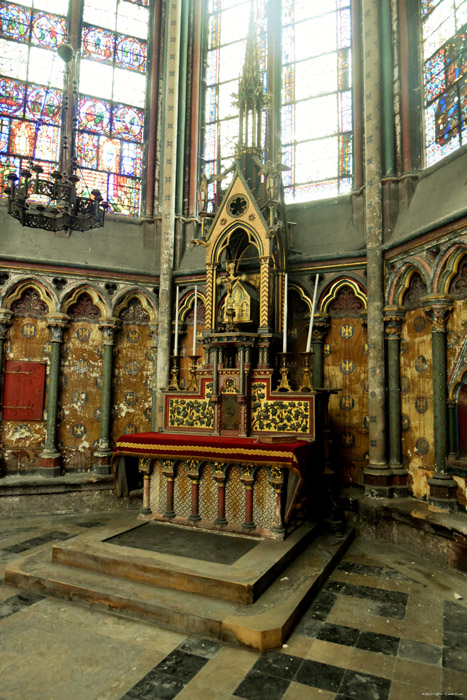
23, 390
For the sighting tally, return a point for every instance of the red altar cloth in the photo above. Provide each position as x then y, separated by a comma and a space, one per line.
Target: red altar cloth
291, 455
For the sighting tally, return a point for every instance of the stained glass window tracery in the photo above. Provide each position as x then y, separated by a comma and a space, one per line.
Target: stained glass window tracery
445, 76
316, 114
30, 83
112, 86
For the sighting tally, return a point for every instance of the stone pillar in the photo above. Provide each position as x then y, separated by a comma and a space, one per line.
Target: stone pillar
320, 328
377, 475
50, 456
168, 179
194, 474
168, 470
247, 476
103, 453
394, 317
5, 321
452, 413
219, 471
443, 488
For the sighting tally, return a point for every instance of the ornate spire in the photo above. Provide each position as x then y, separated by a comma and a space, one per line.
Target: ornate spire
251, 98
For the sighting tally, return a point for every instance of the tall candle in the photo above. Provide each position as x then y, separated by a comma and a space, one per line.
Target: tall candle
284, 335
176, 321
312, 317
195, 320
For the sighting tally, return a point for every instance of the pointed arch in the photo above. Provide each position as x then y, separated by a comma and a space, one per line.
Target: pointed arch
187, 302
85, 301
29, 297
450, 271
400, 280
344, 296
135, 306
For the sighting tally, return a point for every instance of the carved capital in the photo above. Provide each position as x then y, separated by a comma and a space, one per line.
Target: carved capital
394, 317
320, 326
5, 321
437, 307
57, 323
108, 327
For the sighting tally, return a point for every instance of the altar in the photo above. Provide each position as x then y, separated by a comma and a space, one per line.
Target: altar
224, 483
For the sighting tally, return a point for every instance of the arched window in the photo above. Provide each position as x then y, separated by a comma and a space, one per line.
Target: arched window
111, 75
316, 98
445, 76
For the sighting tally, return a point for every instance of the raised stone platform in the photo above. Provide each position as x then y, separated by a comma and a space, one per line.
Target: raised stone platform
252, 594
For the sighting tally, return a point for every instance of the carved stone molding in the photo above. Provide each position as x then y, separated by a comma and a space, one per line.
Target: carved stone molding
437, 307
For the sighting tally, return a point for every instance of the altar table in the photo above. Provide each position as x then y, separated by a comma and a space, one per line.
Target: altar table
240, 484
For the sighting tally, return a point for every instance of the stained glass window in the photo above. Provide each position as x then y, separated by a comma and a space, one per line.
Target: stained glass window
31, 78
316, 98
445, 76
227, 33
112, 86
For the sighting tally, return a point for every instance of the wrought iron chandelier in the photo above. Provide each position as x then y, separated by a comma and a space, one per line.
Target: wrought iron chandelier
50, 201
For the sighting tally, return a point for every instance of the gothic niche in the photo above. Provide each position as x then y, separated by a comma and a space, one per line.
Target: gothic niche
414, 292
458, 286
84, 308
134, 313
30, 304
238, 301
346, 304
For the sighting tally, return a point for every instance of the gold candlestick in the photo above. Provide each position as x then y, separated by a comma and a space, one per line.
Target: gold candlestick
193, 385
306, 372
174, 373
284, 370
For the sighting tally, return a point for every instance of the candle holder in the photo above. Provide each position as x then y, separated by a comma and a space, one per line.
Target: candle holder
193, 385
284, 370
174, 373
306, 371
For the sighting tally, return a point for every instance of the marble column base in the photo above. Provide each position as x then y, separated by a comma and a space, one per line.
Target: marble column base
49, 464
377, 482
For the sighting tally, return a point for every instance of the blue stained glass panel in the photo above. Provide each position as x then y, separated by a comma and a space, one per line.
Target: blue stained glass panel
131, 54
131, 159
98, 44
128, 122
43, 104
94, 115
48, 31
14, 22
4, 134
87, 150
12, 94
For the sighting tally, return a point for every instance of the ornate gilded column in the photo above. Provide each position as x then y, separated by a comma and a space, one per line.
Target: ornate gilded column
154, 343
443, 488
264, 301
394, 317
103, 453
5, 322
50, 456
320, 328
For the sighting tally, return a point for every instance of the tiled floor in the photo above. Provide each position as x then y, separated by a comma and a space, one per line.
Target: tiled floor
387, 624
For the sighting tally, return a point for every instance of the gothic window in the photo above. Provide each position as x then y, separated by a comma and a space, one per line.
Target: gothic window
444, 25
31, 78
316, 97
226, 43
110, 71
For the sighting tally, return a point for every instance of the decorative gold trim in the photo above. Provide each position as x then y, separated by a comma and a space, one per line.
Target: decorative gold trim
334, 290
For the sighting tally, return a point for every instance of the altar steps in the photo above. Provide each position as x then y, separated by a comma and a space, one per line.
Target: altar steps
263, 624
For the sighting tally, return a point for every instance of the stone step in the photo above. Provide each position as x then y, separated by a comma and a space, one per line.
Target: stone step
245, 567
265, 624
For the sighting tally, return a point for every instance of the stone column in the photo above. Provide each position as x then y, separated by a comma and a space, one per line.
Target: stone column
5, 322
50, 456
443, 488
377, 475
103, 453
168, 160
452, 413
394, 317
320, 328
